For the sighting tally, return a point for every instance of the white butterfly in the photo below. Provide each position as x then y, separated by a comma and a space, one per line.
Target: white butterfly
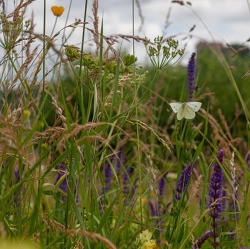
186, 110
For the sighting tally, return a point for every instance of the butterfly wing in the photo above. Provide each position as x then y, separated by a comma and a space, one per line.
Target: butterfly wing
175, 106
181, 112
187, 112
194, 105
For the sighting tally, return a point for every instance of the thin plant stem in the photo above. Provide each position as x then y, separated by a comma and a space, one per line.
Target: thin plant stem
53, 29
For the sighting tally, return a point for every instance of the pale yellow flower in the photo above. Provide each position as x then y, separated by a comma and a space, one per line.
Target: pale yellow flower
57, 10
145, 240
145, 235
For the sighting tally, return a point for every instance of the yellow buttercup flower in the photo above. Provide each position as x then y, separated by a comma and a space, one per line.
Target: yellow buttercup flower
150, 245
57, 10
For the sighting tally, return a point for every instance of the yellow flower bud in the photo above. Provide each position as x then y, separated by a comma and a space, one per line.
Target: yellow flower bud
44, 146
26, 114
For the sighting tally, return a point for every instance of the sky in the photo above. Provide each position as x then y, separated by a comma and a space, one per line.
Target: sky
225, 21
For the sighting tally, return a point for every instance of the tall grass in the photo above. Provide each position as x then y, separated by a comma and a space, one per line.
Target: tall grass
86, 161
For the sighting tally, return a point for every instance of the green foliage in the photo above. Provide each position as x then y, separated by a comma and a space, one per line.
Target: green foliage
72, 53
216, 84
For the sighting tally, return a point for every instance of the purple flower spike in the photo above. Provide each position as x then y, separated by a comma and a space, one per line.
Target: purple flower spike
152, 209
161, 186
191, 86
215, 192
183, 180
216, 197
108, 176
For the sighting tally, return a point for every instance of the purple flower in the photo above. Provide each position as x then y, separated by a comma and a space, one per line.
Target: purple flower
156, 208
62, 170
216, 196
107, 176
153, 211
108, 180
161, 186
215, 192
17, 175
184, 180
191, 86
64, 184
247, 159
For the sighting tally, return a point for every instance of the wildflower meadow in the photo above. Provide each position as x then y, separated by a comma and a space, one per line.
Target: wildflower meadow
98, 150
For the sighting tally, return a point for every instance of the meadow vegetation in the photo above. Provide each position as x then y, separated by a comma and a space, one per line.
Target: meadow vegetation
91, 153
